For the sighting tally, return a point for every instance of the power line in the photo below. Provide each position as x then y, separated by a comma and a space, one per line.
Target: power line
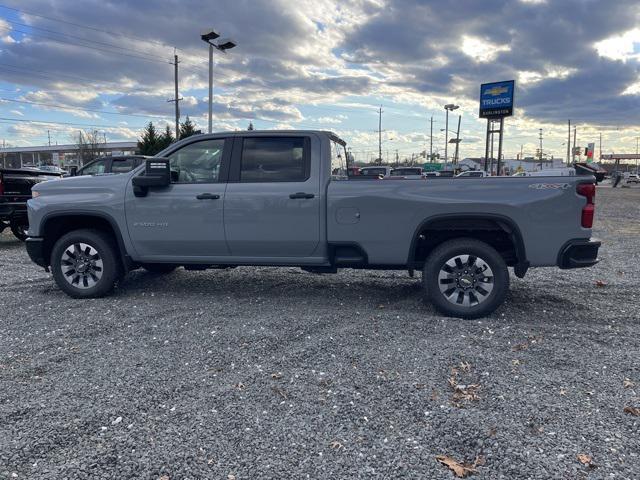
81, 45
70, 107
108, 32
51, 122
54, 32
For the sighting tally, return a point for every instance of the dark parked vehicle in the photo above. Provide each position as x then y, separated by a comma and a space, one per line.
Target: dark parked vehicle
119, 164
15, 190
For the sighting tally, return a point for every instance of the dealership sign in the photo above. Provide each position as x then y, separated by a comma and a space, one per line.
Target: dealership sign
496, 99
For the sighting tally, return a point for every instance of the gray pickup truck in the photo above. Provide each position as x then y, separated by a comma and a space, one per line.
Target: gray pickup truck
284, 198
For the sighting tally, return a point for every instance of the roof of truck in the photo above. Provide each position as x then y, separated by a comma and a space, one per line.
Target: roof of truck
330, 134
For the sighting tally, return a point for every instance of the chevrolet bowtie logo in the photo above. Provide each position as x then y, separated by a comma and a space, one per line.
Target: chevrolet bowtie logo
495, 91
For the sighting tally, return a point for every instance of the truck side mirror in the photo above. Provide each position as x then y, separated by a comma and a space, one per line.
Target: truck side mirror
73, 170
157, 174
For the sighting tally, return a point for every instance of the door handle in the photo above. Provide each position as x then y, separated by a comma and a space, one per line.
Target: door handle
301, 195
208, 196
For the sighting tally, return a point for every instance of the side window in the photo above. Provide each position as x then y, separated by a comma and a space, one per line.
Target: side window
122, 165
338, 162
197, 162
274, 159
94, 168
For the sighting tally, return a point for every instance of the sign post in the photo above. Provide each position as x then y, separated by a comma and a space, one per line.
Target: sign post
496, 102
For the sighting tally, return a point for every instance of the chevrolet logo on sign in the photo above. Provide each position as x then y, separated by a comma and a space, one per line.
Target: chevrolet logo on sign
496, 91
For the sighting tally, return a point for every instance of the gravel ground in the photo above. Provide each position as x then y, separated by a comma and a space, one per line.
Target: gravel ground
277, 373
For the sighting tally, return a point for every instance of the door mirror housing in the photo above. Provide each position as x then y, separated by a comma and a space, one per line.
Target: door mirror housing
73, 170
157, 174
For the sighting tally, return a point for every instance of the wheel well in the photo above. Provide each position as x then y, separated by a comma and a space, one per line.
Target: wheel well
56, 227
498, 233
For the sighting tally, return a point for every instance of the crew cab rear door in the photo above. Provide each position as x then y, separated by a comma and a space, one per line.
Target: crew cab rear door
272, 202
183, 221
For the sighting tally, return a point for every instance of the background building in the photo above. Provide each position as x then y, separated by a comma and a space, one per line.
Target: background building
61, 155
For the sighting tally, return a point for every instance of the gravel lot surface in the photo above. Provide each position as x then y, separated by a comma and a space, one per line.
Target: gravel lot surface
277, 373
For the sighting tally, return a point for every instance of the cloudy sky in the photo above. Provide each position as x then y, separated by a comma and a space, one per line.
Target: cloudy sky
326, 64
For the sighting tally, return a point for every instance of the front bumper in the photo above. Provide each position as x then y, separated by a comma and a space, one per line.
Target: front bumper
35, 249
11, 210
579, 253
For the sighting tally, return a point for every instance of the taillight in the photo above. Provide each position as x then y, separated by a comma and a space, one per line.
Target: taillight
587, 190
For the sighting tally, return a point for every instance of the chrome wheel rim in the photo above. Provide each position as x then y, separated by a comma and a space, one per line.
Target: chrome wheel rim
81, 265
466, 280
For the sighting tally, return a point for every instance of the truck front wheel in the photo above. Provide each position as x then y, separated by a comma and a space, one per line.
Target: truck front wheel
85, 263
465, 278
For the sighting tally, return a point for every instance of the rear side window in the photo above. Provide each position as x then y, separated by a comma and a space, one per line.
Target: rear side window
274, 159
122, 165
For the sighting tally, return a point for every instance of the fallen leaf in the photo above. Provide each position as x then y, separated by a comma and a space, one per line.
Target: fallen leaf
521, 346
479, 461
239, 386
280, 392
563, 392
515, 362
336, 445
231, 476
276, 375
465, 366
584, 459
627, 383
600, 283
635, 411
164, 477
460, 470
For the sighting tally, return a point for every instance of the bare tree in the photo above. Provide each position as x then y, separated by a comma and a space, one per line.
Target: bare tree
89, 143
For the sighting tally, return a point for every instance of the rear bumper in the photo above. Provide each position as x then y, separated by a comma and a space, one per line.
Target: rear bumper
578, 253
35, 249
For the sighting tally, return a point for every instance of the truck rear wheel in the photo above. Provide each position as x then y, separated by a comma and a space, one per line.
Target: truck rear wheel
465, 278
85, 263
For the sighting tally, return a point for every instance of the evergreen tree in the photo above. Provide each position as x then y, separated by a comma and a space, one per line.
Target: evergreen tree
250, 126
148, 144
187, 128
165, 139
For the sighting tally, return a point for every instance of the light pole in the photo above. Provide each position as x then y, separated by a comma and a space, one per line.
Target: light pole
448, 107
223, 45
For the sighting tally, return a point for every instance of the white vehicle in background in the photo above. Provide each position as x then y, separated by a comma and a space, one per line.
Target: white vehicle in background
411, 173
378, 171
473, 174
431, 174
633, 178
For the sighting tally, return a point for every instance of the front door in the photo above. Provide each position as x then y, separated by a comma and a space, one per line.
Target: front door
183, 221
272, 202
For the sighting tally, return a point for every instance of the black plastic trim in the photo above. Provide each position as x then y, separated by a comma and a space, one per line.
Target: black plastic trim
35, 250
127, 263
579, 253
511, 228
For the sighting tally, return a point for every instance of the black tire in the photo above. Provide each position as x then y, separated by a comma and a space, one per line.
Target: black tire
457, 293
19, 229
159, 268
107, 256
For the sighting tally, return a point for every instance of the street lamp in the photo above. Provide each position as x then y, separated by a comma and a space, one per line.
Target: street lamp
450, 107
223, 45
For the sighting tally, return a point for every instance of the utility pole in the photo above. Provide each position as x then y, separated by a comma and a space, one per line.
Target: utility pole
397, 158
569, 143
600, 157
540, 149
49, 135
446, 136
455, 159
431, 142
176, 100
380, 136
521, 152
573, 150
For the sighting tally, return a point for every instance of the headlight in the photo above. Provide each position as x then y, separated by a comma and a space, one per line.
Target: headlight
34, 194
